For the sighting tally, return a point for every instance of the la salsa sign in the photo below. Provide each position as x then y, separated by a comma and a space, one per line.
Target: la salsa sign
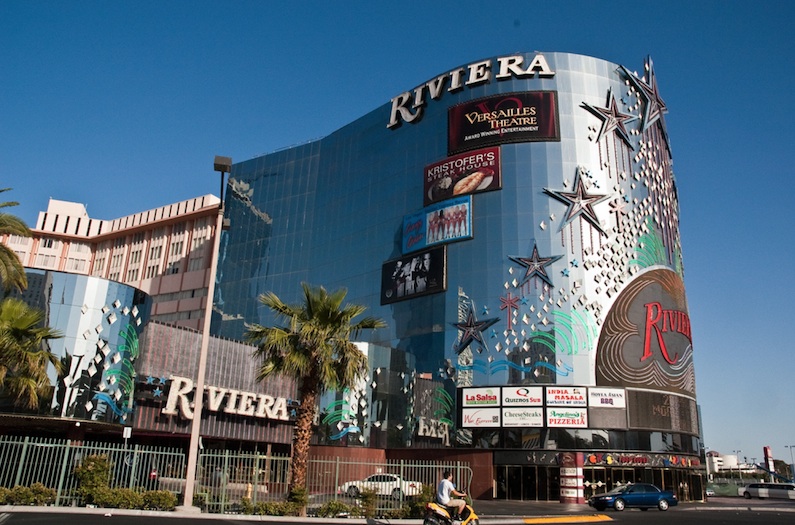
408, 106
231, 401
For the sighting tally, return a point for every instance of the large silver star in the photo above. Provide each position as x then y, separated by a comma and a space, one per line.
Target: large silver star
536, 266
472, 330
580, 203
653, 105
612, 118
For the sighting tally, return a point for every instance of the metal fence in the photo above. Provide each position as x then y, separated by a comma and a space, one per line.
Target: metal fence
223, 477
51, 462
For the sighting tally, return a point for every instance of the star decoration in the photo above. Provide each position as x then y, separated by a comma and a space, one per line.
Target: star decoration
163, 380
157, 392
619, 207
536, 265
472, 330
612, 119
653, 106
580, 203
150, 380
509, 303
564, 272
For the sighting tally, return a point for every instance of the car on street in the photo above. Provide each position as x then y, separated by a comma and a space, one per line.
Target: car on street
383, 485
710, 492
768, 490
643, 496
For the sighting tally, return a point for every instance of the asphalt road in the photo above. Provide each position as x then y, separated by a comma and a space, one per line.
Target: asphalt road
716, 511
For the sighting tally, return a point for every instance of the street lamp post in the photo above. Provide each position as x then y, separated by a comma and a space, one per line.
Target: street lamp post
223, 165
706, 462
739, 472
791, 463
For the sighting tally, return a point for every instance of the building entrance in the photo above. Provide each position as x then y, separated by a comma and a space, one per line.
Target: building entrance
527, 482
687, 485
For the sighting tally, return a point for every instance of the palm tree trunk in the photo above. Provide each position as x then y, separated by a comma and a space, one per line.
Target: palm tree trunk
305, 415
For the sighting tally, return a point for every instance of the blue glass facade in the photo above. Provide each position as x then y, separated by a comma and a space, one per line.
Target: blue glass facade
570, 275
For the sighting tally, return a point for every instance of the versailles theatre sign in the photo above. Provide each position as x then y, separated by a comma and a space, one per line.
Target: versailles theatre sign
233, 401
408, 106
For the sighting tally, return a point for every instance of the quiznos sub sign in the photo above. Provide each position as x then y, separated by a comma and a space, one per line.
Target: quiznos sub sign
229, 400
408, 106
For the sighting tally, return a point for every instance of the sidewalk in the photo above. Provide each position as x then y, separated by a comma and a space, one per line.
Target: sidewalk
502, 512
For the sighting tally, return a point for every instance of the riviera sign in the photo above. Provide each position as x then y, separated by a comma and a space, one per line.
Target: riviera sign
408, 106
234, 401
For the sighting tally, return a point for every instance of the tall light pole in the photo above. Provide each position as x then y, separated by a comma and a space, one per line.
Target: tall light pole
791, 463
706, 461
737, 455
223, 165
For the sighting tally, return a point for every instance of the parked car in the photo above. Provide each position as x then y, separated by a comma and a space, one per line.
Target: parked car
639, 495
710, 492
383, 485
768, 490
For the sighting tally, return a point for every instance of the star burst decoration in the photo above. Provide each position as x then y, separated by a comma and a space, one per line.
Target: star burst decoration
653, 105
472, 330
536, 266
612, 119
580, 203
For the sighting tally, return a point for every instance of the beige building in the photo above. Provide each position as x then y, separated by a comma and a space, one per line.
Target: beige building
165, 252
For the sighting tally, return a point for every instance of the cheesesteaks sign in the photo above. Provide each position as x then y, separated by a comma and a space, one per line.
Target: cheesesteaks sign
233, 401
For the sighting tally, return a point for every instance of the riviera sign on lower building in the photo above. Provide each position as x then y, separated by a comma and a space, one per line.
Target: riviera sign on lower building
234, 401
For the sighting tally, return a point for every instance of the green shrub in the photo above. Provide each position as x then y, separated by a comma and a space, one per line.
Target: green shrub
334, 508
369, 500
118, 498
274, 508
42, 495
416, 507
159, 500
398, 514
299, 496
21, 496
93, 474
36, 494
246, 506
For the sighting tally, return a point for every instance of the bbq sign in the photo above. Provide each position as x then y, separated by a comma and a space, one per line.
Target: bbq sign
513, 117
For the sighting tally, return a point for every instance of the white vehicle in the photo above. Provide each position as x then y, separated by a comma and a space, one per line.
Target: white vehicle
768, 490
383, 485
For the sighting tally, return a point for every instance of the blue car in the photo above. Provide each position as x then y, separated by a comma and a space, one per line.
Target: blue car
639, 495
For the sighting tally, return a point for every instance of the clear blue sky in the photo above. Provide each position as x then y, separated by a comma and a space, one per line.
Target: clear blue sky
122, 106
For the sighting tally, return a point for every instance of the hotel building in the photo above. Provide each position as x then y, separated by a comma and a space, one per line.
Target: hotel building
515, 221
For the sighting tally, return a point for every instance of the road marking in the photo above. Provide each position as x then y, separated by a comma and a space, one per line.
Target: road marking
4, 517
593, 518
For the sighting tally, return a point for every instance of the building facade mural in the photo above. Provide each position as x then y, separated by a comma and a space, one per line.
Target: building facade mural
101, 322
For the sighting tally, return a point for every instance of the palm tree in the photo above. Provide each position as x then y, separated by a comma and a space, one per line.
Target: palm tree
315, 350
12, 273
24, 354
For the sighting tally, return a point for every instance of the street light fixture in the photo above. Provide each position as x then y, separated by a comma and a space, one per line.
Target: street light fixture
737, 455
791, 463
223, 165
